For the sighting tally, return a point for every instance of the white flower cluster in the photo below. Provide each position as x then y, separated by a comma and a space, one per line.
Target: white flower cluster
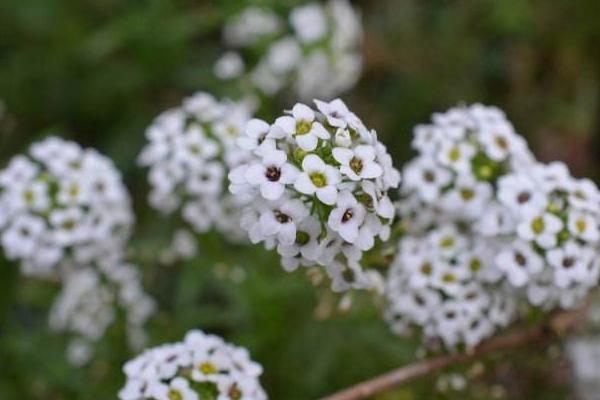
316, 52
61, 203
190, 151
445, 283
66, 215
534, 227
88, 302
553, 253
320, 182
202, 367
460, 158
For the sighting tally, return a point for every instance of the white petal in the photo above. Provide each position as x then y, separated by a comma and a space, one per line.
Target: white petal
256, 127
268, 224
286, 123
327, 195
312, 163
287, 233
307, 142
342, 155
365, 153
304, 185
371, 170
302, 112
289, 173
255, 174
319, 131
271, 190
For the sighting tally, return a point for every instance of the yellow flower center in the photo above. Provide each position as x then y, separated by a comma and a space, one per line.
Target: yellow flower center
467, 194
447, 242
580, 225
538, 225
454, 154
449, 277
208, 368
318, 179
356, 164
175, 395
303, 127
475, 265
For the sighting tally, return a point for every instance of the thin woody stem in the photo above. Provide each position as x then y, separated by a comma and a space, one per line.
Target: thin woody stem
556, 326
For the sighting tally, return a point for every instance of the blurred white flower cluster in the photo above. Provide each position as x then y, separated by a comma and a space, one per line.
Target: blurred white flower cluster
531, 229
444, 282
315, 51
554, 251
201, 367
61, 203
319, 180
65, 215
189, 152
88, 304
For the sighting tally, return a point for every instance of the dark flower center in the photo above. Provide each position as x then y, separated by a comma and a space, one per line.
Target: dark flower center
273, 173
348, 215
281, 217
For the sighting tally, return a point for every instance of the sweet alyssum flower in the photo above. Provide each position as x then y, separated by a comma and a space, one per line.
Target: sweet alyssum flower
553, 251
202, 366
443, 283
88, 302
190, 150
314, 50
60, 203
461, 156
318, 199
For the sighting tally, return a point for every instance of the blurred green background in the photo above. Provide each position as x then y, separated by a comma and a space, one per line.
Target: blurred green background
98, 71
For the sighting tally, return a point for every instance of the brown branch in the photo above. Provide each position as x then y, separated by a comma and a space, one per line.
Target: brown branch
556, 326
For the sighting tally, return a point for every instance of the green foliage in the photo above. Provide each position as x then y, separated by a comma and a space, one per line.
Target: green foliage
99, 71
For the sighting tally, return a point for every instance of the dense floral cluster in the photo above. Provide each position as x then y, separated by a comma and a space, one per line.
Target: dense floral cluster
61, 203
555, 219
316, 51
191, 148
460, 158
445, 283
66, 216
320, 182
88, 302
533, 227
202, 367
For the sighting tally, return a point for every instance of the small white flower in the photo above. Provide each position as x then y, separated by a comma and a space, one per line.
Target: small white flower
306, 242
347, 217
570, 263
519, 194
272, 174
281, 219
541, 228
519, 262
583, 226
303, 127
468, 198
255, 133
456, 155
319, 179
309, 22
229, 66
358, 163
20, 239
427, 178
283, 55
499, 140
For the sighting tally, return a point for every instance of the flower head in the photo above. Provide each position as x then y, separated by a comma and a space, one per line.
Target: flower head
315, 200
199, 366
190, 151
